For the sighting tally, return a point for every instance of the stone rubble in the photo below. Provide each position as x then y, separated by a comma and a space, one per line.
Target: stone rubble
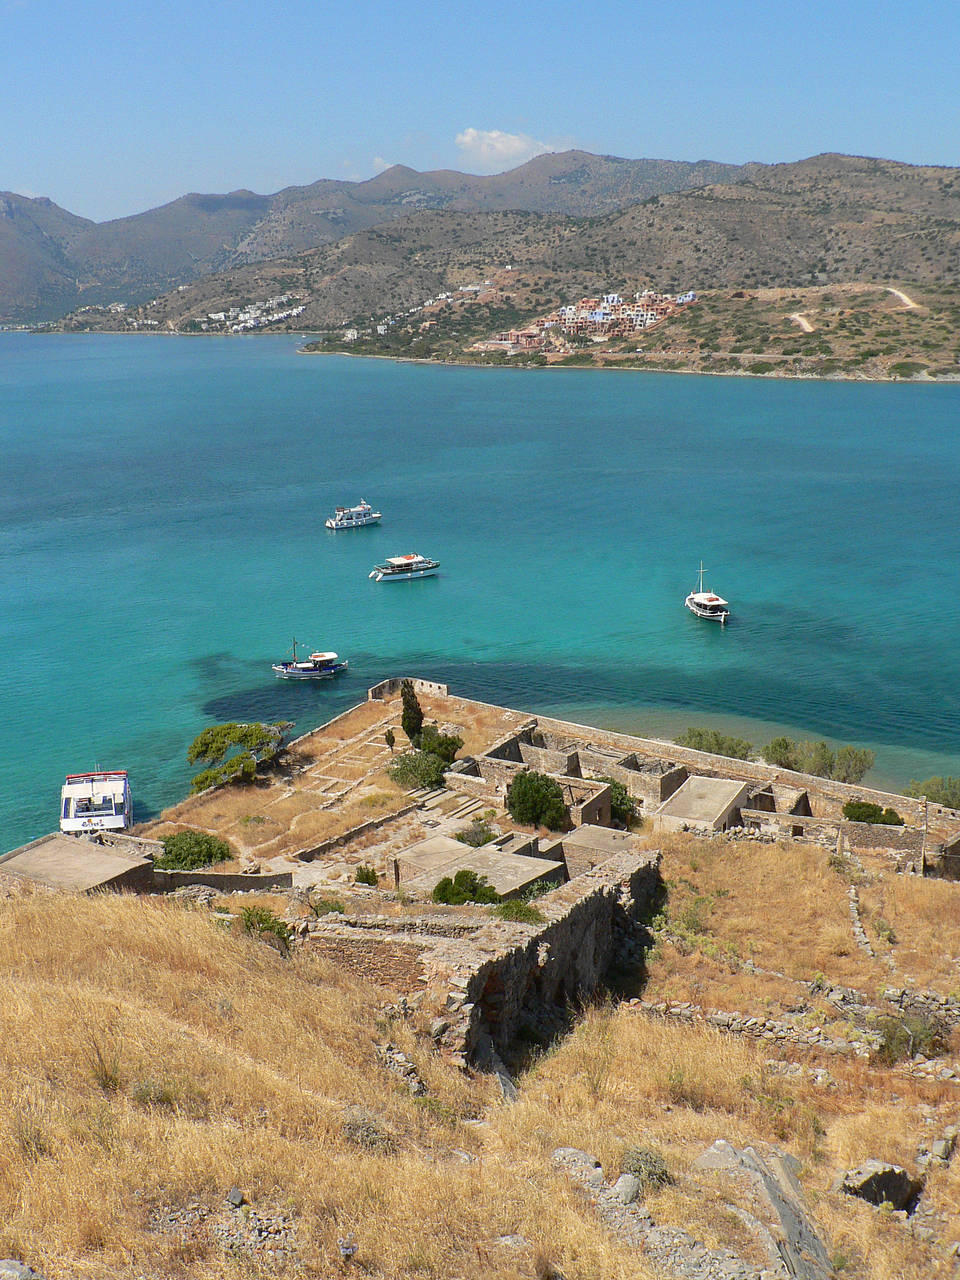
396, 1061
674, 1251
236, 1228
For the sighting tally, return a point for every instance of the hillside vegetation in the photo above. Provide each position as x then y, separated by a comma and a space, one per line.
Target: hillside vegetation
156, 1057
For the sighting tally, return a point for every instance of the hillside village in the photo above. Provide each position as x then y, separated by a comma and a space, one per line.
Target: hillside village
626, 1065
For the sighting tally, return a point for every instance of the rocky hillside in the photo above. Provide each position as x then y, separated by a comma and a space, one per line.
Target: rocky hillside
52, 262
180, 1099
828, 219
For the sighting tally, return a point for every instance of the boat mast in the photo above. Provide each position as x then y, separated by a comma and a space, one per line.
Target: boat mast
701, 576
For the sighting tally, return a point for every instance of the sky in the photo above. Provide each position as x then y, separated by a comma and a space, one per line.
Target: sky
112, 108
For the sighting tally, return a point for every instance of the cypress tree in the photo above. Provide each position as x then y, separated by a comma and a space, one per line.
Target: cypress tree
411, 718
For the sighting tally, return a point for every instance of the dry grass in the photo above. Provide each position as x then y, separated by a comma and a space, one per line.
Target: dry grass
150, 1059
925, 918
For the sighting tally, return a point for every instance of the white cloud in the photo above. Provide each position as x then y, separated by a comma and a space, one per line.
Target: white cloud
493, 149
379, 164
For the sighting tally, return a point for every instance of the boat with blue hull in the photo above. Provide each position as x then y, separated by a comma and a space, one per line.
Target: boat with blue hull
403, 568
318, 666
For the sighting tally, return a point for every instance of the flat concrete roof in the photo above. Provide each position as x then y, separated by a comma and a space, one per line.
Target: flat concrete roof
423, 865
68, 863
606, 840
704, 801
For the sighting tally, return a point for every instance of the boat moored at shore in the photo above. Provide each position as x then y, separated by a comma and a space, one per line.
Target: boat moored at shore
354, 517
319, 666
402, 568
98, 801
706, 603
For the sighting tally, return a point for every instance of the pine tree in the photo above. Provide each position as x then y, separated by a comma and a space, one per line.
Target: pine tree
411, 719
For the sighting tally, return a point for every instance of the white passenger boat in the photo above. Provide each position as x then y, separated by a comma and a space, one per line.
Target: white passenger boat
402, 568
319, 666
706, 604
354, 517
96, 802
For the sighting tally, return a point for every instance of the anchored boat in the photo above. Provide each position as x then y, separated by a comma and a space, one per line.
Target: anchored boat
401, 568
99, 801
354, 517
319, 666
706, 603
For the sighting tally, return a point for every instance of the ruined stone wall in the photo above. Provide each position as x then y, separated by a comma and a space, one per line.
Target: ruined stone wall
388, 689
223, 882
868, 835
488, 984
545, 760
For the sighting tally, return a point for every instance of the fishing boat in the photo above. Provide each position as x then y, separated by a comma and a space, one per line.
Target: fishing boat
402, 568
99, 801
354, 517
318, 666
706, 604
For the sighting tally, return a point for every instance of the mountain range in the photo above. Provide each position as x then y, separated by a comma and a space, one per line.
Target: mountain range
52, 261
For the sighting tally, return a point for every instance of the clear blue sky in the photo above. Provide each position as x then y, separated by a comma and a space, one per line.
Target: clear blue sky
110, 108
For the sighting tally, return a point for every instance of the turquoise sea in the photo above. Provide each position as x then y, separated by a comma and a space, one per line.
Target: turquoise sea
162, 504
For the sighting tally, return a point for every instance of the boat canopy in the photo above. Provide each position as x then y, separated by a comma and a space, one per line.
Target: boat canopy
707, 597
402, 560
323, 657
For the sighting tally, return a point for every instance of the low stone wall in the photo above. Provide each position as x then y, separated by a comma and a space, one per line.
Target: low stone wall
334, 842
486, 984
870, 835
387, 689
222, 881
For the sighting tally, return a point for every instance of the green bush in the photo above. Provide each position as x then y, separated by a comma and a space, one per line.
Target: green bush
519, 912
326, 906
907, 1035
623, 807
190, 850
366, 875
478, 833
261, 920
535, 800
417, 769
846, 764
252, 743
864, 811
718, 744
945, 791
443, 745
466, 886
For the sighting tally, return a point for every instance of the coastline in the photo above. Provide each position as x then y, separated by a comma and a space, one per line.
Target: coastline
951, 380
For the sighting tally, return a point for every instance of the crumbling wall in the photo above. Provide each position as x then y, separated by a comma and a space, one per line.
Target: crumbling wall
388, 689
485, 985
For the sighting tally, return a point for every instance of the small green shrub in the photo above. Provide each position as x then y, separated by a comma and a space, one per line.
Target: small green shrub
261, 920
519, 912
646, 1164
909, 1034
326, 906
390, 738
478, 833
366, 875
466, 886
443, 745
718, 744
190, 850
864, 811
884, 930
623, 807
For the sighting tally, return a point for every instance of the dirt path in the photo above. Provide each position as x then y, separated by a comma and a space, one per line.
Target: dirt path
802, 321
907, 302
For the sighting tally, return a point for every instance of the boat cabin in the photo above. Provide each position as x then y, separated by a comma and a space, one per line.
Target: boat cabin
96, 802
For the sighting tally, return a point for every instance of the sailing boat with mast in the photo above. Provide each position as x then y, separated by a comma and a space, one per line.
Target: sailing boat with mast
319, 666
706, 603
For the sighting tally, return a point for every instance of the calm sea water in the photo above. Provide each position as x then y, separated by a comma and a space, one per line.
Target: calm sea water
162, 505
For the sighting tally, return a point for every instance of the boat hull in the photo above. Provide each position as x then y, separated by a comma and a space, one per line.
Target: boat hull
720, 615
352, 524
403, 577
283, 672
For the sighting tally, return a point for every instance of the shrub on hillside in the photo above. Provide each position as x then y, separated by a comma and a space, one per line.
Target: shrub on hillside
417, 769
646, 1164
518, 912
846, 764
718, 744
443, 745
945, 791
536, 800
909, 1034
190, 850
466, 886
864, 811
366, 875
261, 920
